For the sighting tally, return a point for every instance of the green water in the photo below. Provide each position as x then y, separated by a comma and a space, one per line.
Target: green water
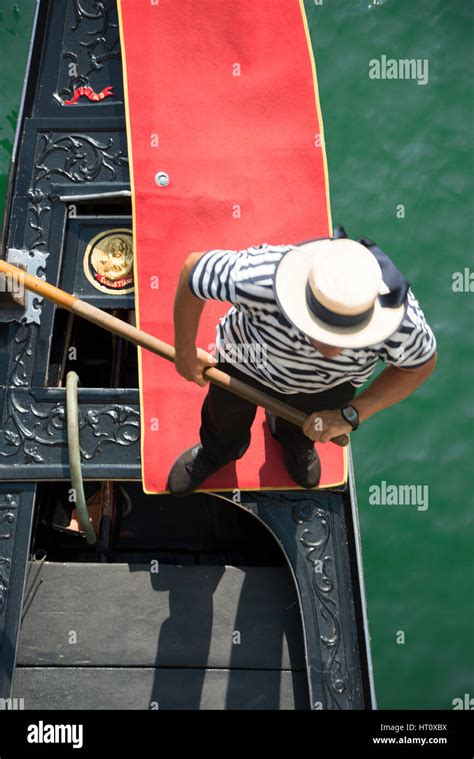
392, 143
15, 28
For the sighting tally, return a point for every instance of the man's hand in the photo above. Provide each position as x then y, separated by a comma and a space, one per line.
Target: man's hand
322, 426
192, 368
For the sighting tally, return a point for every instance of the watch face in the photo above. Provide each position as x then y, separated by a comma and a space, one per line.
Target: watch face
350, 414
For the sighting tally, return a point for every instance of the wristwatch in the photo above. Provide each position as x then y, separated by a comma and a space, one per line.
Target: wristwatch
351, 415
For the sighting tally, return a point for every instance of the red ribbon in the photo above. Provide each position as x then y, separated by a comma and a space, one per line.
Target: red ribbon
89, 93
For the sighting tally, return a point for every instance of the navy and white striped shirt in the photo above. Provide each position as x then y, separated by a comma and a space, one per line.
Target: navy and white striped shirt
257, 338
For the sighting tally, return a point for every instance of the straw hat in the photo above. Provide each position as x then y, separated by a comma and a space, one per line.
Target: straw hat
341, 292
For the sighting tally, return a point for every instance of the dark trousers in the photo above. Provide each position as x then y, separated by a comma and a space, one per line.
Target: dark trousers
226, 418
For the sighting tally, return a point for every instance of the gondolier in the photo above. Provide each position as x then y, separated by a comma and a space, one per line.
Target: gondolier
308, 325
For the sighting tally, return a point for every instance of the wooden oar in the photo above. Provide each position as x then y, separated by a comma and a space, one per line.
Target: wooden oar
137, 336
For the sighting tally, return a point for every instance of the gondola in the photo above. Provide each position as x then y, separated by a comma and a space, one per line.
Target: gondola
209, 602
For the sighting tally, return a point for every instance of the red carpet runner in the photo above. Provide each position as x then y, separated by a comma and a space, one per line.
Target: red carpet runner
222, 97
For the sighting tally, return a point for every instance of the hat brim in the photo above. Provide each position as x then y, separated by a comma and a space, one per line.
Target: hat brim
291, 277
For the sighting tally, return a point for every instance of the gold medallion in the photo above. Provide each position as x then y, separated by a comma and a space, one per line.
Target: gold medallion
108, 262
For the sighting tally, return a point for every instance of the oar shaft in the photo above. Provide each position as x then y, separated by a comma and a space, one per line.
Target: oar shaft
160, 348
155, 345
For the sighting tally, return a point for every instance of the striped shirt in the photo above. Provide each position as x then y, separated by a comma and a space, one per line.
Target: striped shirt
257, 338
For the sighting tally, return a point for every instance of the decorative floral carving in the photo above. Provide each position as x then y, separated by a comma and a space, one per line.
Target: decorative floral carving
84, 159
96, 22
313, 534
20, 367
314, 540
5, 567
33, 427
8, 506
79, 158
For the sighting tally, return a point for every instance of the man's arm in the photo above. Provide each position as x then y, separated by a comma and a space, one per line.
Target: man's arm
393, 385
187, 313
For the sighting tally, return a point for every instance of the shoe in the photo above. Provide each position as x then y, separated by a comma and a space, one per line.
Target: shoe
189, 471
302, 464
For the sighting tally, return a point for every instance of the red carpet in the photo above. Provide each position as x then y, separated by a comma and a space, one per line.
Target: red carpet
221, 96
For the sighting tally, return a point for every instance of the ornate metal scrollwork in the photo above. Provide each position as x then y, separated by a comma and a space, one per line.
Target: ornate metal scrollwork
84, 160
8, 509
28, 426
34, 426
307, 523
314, 540
78, 158
95, 40
22, 354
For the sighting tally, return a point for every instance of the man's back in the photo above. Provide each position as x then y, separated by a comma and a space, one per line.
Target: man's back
255, 335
